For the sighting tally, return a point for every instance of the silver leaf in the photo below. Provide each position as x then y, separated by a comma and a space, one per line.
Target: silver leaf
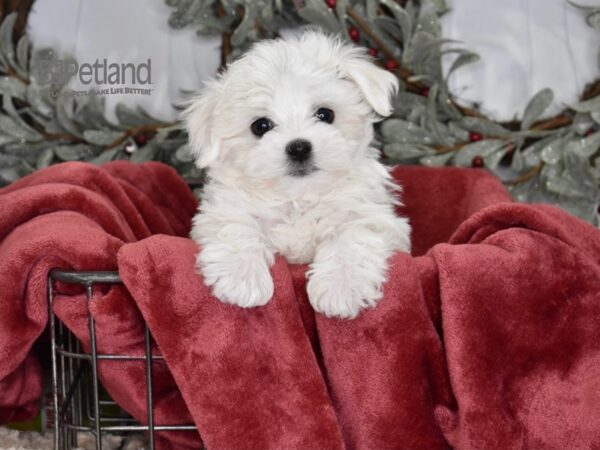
6, 32
402, 18
390, 26
45, 159
585, 8
6, 139
418, 48
170, 144
52, 126
29, 133
64, 113
101, 137
341, 9
184, 154
181, 17
518, 161
35, 99
317, 12
459, 133
405, 102
396, 130
13, 87
439, 130
531, 155
106, 156
23, 52
522, 192
584, 147
90, 114
464, 156
446, 106
588, 105
536, 107
229, 6
436, 160
580, 174
144, 154
484, 127
582, 123
463, 59
246, 25
371, 7
128, 116
74, 152
9, 126
552, 152
12, 168
377, 32
403, 152
492, 160
563, 186
428, 19
441, 6
593, 19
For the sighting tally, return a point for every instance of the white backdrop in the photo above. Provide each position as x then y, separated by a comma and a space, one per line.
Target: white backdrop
525, 45
124, 31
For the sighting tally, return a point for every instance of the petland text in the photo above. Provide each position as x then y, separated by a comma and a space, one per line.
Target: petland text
100, 72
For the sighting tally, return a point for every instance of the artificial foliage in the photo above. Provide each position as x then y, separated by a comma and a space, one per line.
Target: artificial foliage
556, 160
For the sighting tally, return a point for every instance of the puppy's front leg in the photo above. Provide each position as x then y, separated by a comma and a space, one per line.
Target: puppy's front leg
234, 259
349, 269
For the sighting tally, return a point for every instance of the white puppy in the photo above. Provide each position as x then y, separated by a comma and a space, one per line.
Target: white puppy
285, 134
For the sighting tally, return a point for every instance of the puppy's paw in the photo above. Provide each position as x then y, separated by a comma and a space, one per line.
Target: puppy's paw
239, 279
341, 290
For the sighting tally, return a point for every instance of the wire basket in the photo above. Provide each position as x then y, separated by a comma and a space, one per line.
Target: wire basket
79, 403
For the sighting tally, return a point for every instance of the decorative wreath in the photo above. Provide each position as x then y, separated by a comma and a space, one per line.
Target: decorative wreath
556, 160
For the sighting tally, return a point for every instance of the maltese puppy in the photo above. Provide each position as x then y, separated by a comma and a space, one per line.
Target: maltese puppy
285, 135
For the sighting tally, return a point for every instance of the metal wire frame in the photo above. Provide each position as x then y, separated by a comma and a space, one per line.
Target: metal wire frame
78, 401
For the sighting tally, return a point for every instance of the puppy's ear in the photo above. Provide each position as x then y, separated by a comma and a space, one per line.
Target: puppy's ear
199, 119
378, 86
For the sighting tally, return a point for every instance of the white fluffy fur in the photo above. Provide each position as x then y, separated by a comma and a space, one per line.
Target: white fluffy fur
340, 218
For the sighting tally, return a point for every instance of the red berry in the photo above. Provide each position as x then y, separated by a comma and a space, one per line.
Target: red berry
330, 3
354, 34
477, 161
475, 137
141, 139
425, 91
589, 132
373, 52
391, 64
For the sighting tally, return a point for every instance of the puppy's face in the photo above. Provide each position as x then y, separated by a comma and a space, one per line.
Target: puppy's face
290, 114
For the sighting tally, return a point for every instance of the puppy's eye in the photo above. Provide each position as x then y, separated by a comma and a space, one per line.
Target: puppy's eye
325, 115
261, 126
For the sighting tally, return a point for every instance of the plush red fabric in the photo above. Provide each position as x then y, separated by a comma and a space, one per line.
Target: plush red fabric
77, 216
487, 337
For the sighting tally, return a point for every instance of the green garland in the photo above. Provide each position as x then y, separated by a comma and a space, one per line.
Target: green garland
554, 161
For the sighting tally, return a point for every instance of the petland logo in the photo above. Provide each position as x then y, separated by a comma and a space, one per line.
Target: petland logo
100, 73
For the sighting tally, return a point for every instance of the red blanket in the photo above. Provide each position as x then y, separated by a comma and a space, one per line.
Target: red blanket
490, 339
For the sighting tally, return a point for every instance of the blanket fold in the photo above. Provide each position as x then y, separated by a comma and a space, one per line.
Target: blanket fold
487, 336
77, 216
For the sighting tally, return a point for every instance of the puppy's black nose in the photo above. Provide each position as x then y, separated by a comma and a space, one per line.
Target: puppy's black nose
299, 150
